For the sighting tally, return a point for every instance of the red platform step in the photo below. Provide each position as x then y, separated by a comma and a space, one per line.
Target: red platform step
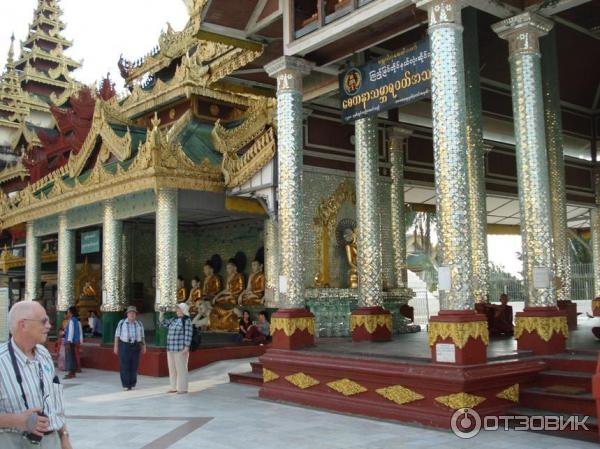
254, 377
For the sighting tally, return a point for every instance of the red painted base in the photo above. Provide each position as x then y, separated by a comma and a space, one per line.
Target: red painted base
154, 362
474, 351
299, 339
381, 333
426, 382
571, 310
531, 341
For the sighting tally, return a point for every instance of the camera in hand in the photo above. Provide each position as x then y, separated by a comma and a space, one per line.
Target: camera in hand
33, 438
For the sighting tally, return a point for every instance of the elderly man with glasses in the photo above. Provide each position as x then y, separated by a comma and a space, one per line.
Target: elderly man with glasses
31, 397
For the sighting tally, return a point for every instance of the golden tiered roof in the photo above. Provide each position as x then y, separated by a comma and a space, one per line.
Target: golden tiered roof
13, 107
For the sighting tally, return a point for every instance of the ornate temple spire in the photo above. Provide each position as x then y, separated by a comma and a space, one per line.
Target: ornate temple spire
13, 109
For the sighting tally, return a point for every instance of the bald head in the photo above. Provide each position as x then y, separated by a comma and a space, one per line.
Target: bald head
23, 310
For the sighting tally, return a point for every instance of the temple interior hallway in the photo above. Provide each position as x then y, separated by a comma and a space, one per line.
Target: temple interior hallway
219, 415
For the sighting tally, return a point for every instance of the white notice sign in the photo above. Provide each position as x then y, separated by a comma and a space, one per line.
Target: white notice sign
444, 282
283, 284
445, 352
541, 277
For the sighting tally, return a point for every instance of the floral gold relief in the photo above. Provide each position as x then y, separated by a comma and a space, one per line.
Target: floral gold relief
399, 394
510, 394
302, 380
545, 327
371, 322
269, 376
458, 332
460, 400
290, 326
346, 387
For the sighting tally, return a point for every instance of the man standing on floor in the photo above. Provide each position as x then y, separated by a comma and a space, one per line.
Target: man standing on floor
129, 343
72, 341
31, 397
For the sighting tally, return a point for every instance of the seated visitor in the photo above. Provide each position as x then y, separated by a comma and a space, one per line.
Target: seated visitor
94, 325
224, 315
254, 293
502, 319
260, 331
212, 282
244, 325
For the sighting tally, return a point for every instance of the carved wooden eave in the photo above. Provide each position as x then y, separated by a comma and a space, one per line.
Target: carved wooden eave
16, 170
24, 132
257, 130
41, 35
55, 55
9, 261
159, 163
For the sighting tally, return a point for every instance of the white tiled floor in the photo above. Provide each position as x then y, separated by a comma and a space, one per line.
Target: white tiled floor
239, 420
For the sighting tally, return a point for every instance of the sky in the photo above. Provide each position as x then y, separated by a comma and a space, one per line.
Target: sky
101, 30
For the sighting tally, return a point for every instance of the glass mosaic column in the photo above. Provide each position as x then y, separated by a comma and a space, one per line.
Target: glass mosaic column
292, 326
33, 264
595, 237
66, 267
475, 159
125, 276
457, 334
112, 299
556, 167
166, 256
370, 321
541, 327
271, 262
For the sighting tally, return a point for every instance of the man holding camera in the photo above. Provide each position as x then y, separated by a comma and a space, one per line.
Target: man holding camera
31, 397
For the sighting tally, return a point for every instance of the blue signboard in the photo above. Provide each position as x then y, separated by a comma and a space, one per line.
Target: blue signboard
397, 79
90, 242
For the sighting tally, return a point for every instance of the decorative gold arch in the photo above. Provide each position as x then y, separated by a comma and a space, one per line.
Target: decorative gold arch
325, 221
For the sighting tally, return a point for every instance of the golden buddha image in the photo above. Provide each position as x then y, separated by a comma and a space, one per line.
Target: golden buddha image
194, 296
181, 293
351, 256
224, 315
212, 283
254, 293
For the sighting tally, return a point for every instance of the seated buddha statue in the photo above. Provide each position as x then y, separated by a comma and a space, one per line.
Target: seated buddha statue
195, 296
212, 283
351, 255
254, 293
181, 293
224, 315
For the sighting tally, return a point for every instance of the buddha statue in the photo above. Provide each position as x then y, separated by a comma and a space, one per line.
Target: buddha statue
351, 255
181, 293
224, 315
254, 293
195, 295
212, 282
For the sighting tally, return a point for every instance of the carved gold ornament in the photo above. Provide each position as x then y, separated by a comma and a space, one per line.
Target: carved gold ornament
302, 380
545, 327
346, 387
290, 326
458, 332
269, 376
371, 322
595, 304
399, 394
510, 394
460, 400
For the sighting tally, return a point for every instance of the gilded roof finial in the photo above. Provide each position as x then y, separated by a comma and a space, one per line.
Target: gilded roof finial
11, 50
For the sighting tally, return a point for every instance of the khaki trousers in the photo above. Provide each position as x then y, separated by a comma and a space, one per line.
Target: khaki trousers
178, 370
11, 440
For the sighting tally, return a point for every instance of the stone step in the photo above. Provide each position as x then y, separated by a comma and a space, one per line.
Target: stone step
573, 362
257, 367
248, 378
570, 378
538, 398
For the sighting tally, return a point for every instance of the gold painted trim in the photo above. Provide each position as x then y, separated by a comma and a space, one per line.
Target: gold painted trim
290, 326
458, 332
269, 376
346, 387
545, 327
399, 394
460, 400
510, 394
371, 322
302, 380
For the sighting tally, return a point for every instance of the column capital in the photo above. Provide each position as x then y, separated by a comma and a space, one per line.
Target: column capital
441, 11
523, 32
397, 136
288, 64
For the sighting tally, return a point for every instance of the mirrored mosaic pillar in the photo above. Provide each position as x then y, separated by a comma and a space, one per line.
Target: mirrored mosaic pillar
292, 326
397, 139
457, 335
556, 167
371, 321
271, 262
112, 298
595, 238
66, 265
126, 264
541, 327
475, 159
33, 264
